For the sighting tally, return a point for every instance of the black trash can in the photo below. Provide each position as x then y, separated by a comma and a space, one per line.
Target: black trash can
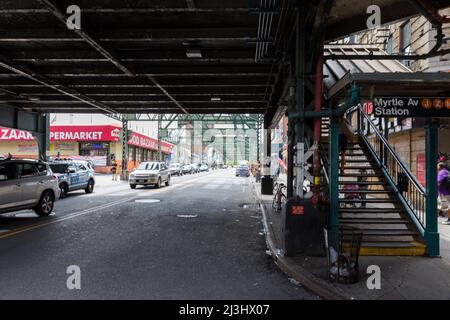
343, 244
266, 185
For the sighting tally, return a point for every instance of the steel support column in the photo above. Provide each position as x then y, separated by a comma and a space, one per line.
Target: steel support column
159, 137
334, 171
125, 138
431, 229
300, 69
43, 137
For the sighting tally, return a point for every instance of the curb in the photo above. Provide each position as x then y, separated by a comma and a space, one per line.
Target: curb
290, 268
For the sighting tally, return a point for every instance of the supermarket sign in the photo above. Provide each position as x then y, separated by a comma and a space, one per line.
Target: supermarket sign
411, 107
66, 133
85, 133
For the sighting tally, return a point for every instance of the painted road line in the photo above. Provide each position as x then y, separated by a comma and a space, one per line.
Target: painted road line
84, 212
66, 217
185, 186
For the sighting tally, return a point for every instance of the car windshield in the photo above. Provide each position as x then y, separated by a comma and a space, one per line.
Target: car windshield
59, 168
149, 166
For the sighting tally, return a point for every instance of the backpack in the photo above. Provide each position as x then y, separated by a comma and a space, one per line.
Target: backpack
446, 184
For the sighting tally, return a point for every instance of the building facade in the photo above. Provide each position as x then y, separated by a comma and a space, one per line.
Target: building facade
412, 36
97, 143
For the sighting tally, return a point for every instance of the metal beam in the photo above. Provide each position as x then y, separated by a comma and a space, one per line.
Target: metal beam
190, 4
139, 10
55, 86
107, 54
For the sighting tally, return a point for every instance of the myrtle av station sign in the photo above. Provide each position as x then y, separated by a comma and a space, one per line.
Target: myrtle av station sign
411, 107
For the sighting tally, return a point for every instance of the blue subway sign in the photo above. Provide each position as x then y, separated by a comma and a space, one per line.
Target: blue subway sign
411, 107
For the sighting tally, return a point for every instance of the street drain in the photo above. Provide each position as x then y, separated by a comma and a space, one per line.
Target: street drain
187, 216
147, 200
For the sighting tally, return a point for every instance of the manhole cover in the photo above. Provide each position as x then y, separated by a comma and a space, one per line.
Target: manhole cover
147, 200
187, 216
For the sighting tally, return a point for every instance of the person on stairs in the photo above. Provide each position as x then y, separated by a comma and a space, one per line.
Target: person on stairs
444, 192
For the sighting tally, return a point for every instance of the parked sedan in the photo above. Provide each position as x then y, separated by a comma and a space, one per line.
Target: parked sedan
195, 167
176, 169
204, 168
150, 173
242, 171
187, 168
27, 184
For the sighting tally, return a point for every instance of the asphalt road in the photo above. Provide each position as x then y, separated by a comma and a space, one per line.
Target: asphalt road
203, 240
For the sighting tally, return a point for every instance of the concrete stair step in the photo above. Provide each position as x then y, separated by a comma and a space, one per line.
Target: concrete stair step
376, 221
370, 210
387, 200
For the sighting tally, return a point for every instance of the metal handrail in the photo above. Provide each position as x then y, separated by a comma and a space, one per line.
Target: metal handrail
389, 148
410, 191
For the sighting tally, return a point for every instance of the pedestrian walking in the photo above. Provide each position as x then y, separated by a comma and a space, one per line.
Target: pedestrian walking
444, 192
114, 170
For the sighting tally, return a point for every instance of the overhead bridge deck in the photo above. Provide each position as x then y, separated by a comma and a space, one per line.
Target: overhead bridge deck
172, 56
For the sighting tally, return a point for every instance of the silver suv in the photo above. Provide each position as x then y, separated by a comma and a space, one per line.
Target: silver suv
150, 173
27, 184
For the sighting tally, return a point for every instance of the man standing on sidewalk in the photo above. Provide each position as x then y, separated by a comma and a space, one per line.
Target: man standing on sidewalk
114, 170
444, 192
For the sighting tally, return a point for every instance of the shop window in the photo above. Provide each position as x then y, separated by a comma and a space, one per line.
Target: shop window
390, 44
94, 149
131, 154
405, 41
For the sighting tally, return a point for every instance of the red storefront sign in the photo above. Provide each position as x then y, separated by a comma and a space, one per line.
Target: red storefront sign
85, 133
142, 141
88, 133
8, 134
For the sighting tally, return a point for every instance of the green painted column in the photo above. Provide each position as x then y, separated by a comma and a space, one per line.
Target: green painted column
125, 138
431, 228
159, 137
334, 171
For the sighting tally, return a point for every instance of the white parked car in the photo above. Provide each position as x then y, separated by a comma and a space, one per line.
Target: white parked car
27, 184
176, 169
150, 173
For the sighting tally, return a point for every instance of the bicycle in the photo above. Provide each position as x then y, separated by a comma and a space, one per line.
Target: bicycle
280, 198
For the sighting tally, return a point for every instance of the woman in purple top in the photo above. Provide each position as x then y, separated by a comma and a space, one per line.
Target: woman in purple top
444, 192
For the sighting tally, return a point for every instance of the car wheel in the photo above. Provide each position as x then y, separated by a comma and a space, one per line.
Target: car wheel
90, 187
64, 190
168, 181
158, 185
132, 186
45, 205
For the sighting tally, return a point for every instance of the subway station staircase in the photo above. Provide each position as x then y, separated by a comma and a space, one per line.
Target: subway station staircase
368, 202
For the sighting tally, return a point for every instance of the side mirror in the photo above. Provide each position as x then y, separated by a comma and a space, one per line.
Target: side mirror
3, 178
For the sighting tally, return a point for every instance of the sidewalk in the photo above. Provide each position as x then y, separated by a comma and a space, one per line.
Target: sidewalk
403, 278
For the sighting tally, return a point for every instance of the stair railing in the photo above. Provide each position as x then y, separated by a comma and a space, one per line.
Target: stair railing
409, 191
